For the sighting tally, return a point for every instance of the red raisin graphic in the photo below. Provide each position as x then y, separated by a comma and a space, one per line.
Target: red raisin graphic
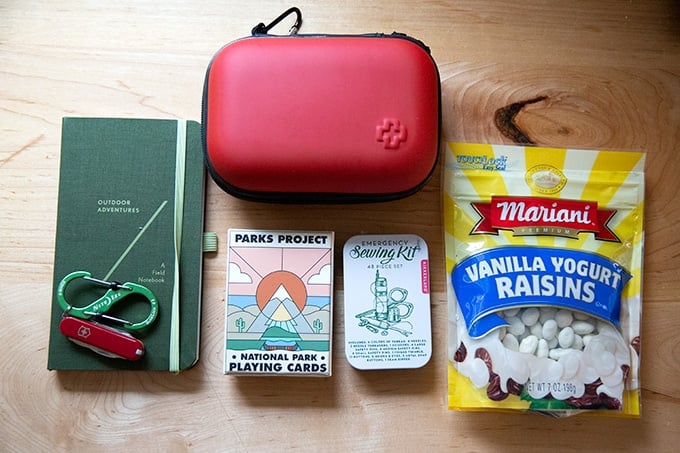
635, 343
514, 388
483, 354
461, 353
494, 391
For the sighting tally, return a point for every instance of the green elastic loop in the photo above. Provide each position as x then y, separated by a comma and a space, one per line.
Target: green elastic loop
209, 242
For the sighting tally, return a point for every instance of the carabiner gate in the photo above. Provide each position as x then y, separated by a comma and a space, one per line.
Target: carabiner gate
262, 29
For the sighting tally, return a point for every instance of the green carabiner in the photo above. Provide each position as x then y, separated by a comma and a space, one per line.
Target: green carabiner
99, 307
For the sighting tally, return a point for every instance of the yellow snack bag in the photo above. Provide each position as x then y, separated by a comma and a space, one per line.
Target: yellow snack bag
544, 253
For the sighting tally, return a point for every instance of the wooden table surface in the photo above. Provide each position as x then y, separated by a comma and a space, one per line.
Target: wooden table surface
608, 73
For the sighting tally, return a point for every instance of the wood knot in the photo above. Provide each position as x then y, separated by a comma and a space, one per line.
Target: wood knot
505, 121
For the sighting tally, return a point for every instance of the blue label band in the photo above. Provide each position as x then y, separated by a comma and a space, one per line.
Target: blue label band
515, 276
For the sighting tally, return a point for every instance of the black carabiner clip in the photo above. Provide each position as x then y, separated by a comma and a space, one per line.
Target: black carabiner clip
262, 29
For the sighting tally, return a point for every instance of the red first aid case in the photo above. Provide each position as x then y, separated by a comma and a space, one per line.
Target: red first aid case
321, 118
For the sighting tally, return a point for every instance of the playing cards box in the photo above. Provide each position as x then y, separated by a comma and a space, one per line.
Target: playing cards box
279, 298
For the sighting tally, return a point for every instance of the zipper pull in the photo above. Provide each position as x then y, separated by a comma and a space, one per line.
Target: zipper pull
396, 34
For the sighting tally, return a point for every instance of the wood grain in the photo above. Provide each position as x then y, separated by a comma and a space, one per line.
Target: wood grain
608, 75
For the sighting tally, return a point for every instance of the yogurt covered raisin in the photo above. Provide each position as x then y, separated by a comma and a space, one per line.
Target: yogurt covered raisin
549, 329
583, 327
530, 316
566, 337
547, 313
510, 342
578, 342
516, 327
563, 318
537, 330
529, 344
542, 350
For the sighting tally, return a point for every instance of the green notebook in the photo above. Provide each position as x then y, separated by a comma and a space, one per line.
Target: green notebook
129, 191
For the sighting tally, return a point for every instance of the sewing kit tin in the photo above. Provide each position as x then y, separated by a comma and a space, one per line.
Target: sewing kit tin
387, 302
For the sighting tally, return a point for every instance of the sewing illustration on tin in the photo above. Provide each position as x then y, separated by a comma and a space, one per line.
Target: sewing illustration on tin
390, 309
